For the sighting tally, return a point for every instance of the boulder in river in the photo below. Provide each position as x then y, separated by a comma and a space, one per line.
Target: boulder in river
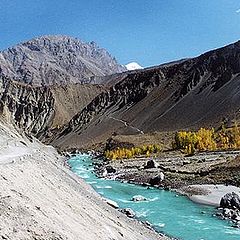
230, 208
138, 198
231, 201
155, 181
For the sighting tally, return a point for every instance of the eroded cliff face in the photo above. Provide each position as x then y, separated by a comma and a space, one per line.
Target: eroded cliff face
35, 110
31, 109
187, 94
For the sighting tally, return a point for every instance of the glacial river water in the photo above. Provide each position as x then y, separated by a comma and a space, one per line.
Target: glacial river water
174, 215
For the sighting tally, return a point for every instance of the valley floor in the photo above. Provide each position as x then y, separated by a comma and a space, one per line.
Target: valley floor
42, 199
203, 170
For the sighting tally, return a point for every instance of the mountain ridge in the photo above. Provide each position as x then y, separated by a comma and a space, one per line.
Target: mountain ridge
162, 99
57, 59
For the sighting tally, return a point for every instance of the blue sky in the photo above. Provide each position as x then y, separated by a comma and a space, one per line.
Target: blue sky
147, 31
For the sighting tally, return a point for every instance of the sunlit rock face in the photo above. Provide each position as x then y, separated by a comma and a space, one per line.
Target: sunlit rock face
51, 60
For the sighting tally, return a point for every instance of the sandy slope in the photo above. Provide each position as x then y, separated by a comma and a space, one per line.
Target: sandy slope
209, 194
41, 199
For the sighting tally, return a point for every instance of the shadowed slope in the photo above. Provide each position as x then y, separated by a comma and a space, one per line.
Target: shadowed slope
187, 94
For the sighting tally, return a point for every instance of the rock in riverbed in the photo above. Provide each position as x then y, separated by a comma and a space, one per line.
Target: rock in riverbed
230, 200
138, 198
230, 208
110, 169
157, 180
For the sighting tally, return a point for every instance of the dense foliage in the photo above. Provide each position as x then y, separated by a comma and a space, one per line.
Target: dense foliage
188, 141
207, 139
125, 153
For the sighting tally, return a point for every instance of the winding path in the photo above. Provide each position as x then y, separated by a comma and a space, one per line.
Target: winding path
126, 124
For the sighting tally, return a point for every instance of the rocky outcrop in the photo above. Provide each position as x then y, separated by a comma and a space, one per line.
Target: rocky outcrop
52, 60
230, 208
37, 109
230, 200
162, 98
31, 109
129, 212
155, 181
151, 164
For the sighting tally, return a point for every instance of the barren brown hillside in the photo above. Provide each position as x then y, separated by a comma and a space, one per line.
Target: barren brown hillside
202, 91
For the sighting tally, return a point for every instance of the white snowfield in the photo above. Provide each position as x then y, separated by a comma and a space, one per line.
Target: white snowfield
41, 199
133, 66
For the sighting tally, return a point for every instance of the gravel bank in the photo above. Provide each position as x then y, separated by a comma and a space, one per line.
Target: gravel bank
208, 194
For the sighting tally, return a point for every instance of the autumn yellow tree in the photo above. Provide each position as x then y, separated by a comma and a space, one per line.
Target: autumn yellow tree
206, 139
124, 153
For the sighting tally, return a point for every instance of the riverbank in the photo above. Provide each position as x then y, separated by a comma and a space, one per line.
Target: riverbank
42, 199
179, 170
208, 194
136, 171
166, 211
205, 177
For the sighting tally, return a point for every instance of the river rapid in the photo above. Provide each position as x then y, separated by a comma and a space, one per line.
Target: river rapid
168, 212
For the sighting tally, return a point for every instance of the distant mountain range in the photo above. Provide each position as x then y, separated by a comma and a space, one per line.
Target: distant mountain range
51, 60
48, 88
187, 94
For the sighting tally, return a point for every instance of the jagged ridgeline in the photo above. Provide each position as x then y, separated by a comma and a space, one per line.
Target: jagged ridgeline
47, 84
51, 60
192, 93
47, 80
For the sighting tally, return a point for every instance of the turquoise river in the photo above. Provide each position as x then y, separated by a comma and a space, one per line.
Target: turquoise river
169, 213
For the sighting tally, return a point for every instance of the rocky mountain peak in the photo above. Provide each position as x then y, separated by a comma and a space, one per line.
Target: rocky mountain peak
57, 59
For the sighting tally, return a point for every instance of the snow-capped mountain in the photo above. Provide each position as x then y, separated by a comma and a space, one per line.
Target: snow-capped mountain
133, 66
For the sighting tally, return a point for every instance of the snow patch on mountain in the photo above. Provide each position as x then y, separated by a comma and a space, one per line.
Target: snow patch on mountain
133, 66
